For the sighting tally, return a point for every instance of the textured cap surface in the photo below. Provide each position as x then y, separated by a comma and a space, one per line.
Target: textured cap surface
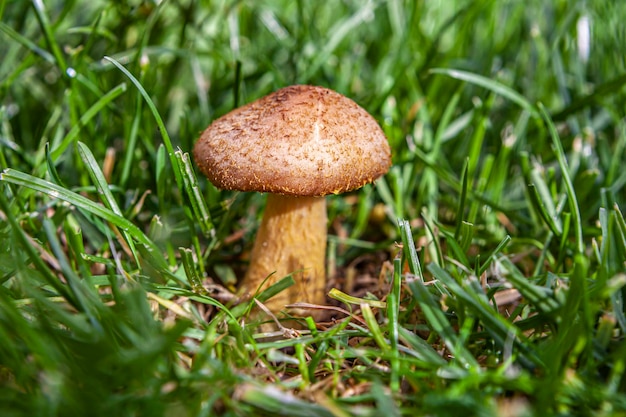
299, 140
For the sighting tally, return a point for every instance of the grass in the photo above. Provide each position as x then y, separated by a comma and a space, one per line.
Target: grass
483, 275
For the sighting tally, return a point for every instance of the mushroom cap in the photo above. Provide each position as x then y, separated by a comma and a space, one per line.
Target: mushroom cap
300, 140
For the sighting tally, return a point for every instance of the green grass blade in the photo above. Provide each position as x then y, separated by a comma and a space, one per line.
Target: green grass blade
76, 246
393, 315
465, 236
46, 28
493, 254
436, 245
54, 191
52, 169
462, 200
569, 187
572, 336
26, 43
479, 135
432, 312
274, 401
448, 128
198, 204
275, 288
133, 135
600, 91
409, 250
539, 201
32, 253
539, 194
157, 117
540, 297
338, 32
382, 187
621, 224
196, 296
458, 251
501, 330
491, 85
186, 256
348, 299
375, 330
85, 297
106, 196
72, 135
161, 171
393, 304
420, 348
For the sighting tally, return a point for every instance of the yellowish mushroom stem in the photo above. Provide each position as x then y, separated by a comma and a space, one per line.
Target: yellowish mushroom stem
291, 240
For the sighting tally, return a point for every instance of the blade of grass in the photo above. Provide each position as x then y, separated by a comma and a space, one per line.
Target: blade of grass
466, 234
393, 304
277, 402
302, 365
32, 253
26, 43
395, 175
338, 32
573, 335
455, 247
46, 28
54, 191
195, 242
447, 129
106, 196
539, 195
52, 169
131, 145
420, 348
491, 85
85, 296
569, 187
493, 254
539, 202
348, 299
462, 199
196, 296
76, 246
479, 133
481, 186
363, 212
85, 118
432, 312
161, 175
264, 295
382, 187
198, 204
178, 173
501, 330
434, 240
580, 103
393, 312
541, 298
186, 256
621, 224
375, 330
614, 259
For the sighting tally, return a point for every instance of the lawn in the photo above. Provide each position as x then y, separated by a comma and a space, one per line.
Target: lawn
484, 274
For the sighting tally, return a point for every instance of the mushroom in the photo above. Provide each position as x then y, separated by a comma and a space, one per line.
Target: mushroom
298, 144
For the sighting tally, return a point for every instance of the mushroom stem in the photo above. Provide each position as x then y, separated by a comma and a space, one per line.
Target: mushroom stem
290, 240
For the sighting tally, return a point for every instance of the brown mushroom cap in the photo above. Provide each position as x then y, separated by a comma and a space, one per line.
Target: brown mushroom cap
300, 140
